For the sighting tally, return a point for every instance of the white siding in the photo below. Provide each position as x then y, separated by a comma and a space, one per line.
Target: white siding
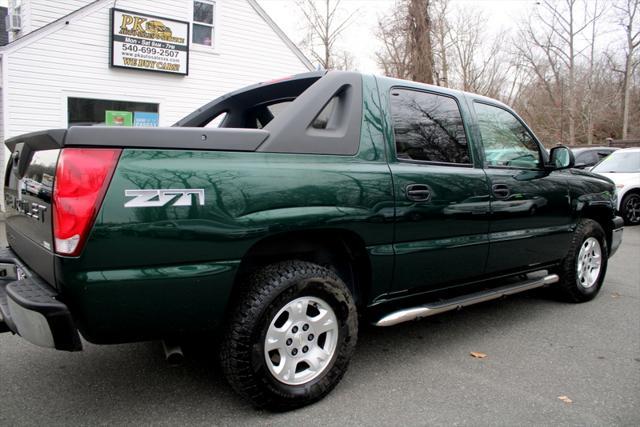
1, 126
35, 14
43, 12
4, 151
74, 61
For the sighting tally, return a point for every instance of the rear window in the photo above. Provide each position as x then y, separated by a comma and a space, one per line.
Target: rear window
619, 162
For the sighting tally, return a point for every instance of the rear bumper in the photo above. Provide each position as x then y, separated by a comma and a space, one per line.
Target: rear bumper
29, 307
616, 234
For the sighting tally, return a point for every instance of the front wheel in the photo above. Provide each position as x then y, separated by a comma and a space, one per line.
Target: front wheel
292, 335
630, 209
583, 270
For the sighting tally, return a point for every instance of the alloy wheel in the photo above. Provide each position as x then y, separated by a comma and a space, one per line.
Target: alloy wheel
589, 262
301, 340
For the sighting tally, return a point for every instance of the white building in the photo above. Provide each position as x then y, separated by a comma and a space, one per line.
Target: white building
58, 68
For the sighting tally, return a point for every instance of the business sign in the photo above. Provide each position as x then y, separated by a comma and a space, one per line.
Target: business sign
145, 119
147, 42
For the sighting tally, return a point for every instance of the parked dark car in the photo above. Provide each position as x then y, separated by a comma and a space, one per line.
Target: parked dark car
366, 199
589, 157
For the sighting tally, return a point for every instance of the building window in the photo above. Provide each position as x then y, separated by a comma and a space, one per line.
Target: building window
100, 112
203, 19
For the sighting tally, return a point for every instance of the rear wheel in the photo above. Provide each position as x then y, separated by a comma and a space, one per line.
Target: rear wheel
291, 337
583, 270
630, 208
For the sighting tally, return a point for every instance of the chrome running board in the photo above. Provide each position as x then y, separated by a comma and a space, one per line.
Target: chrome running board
431, 309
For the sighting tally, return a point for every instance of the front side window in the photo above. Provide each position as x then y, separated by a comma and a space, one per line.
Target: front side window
428, 127
203, 27
506, 142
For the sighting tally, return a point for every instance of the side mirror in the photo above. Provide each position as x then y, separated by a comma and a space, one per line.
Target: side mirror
561, 157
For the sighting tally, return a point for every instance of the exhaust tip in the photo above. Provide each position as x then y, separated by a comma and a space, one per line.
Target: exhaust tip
172, 353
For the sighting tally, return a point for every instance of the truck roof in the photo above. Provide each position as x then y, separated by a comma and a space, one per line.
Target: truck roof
440, 89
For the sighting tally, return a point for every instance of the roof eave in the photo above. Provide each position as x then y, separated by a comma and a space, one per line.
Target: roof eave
290, 44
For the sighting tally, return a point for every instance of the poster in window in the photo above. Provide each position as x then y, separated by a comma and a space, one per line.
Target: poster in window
118, 118
146, 42
143, 119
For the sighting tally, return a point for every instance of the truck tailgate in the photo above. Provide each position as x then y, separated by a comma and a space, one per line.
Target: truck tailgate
28, 190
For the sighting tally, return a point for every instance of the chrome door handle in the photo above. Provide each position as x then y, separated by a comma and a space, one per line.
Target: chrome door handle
500, 191
418, 192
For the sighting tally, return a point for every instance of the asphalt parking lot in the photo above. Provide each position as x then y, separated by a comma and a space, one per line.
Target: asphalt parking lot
418, 373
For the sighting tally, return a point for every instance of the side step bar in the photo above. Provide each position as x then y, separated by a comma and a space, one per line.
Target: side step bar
431, 309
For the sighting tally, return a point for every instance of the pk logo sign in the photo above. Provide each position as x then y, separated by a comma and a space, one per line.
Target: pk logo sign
163, 197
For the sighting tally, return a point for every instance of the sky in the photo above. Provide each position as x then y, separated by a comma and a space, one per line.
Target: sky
360, 38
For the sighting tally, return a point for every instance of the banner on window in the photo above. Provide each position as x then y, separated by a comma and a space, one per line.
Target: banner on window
144, 119
147, 42
118, 118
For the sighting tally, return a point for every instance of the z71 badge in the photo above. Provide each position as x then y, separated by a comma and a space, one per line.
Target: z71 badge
163, 197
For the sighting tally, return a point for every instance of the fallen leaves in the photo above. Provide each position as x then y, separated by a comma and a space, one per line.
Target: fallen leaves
565, 399
478, 355
615, 295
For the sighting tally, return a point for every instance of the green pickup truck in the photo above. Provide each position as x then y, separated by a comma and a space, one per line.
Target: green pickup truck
275, 219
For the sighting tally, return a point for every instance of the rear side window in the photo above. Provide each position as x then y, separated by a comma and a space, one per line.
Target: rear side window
428, 127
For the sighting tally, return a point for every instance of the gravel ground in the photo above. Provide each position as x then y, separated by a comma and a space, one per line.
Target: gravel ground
419, 373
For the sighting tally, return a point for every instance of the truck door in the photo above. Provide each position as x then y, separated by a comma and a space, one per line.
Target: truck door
530, 207
442, 199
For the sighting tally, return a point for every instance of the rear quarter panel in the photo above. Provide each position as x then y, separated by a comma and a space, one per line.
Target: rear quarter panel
152, 271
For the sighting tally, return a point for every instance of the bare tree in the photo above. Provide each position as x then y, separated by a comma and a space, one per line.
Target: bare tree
549, 43
394, 56
629, 17
325, 21
413, 39
590, 79
441, 41
479, 65
420, 41
344, 60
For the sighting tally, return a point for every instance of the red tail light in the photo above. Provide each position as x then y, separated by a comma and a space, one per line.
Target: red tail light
82, 177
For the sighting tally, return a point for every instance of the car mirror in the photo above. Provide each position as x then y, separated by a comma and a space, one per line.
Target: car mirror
561, 157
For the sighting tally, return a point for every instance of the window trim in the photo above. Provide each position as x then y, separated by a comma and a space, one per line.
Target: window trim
541, 148
214, 28
471, 163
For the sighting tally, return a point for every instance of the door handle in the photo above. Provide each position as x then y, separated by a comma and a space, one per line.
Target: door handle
418, 192
500, 191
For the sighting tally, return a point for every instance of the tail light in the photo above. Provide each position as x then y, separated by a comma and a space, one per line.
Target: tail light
82, 178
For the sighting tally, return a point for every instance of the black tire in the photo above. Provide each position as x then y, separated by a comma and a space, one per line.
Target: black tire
265, 293
629, 208
569, 288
